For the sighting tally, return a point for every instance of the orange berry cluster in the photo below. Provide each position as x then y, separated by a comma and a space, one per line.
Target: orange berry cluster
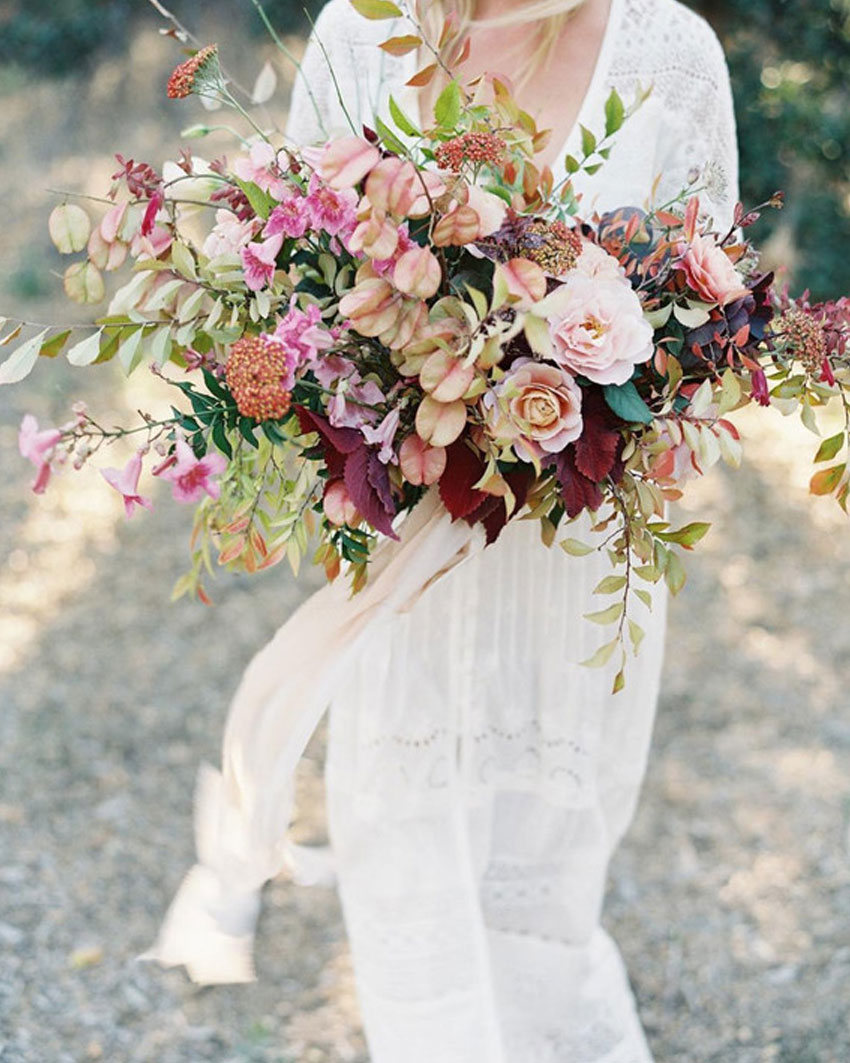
474, 148
255, 372
182, 81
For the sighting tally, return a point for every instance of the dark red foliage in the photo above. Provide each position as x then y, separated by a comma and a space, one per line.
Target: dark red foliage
374, 503
142, 179
577, 491
494, 517
464, 467
378, 476
149, 220
336, 443
235, 200
600, 442
715, 341
344, 440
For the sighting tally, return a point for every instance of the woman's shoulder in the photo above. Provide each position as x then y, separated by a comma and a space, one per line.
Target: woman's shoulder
666, 38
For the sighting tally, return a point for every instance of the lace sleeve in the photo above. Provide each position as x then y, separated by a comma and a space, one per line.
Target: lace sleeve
701, 139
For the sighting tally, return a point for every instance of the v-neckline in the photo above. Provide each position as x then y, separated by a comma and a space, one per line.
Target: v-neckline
410, 98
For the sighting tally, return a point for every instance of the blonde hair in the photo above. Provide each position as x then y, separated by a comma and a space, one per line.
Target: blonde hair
548, 15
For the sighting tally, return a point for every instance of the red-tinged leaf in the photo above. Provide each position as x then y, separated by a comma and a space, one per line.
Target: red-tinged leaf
231, 552
423, 77
741, 336
577, 491
464, 467
258, 542
749, 363
450, 26
730, 428
497, 517
462, 53
344, 440
363, 494
668, 220
204, 597
238, 525
597, 447
631, 228
275, 557
691, 216
379, 479
401, 45
492, 513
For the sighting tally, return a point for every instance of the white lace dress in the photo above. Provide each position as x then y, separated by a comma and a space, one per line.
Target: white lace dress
478, 777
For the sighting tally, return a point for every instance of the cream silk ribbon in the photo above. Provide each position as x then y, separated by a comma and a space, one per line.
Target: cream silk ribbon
242, 812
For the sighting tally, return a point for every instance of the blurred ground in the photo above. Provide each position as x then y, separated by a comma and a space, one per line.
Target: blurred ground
730, 897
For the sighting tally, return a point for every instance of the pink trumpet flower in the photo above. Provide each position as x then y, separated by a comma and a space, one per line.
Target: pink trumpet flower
191, 477
383, 435
126, 482
36, 446
258, 261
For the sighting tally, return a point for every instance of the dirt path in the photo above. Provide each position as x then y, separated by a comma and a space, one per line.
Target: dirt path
730, 898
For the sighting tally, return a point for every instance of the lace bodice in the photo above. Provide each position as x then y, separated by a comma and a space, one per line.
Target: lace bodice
478, 777
687, 125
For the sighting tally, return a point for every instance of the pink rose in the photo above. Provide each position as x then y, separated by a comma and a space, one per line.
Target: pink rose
710, 272
595, 262
598, 329
536, 407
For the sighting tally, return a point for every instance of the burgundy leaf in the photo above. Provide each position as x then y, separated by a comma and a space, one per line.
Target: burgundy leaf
597, 447
464, 467
492, 513
334, 462
343, 440
363, 493
577, 491
379, 478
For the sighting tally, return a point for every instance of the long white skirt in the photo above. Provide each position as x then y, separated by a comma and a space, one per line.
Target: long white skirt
479, 780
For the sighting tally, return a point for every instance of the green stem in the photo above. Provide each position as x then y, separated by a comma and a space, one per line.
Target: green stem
272, 32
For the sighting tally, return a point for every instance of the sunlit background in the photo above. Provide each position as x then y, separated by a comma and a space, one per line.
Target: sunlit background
731, 897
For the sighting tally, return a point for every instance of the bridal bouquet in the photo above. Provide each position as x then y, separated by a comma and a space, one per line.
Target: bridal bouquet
401, 309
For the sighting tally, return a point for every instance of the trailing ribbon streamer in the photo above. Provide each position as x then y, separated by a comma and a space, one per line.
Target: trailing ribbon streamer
243, 811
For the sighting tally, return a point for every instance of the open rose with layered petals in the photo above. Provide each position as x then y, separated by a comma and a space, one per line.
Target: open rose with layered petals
709, 271
595, 262
598, 329
536, 407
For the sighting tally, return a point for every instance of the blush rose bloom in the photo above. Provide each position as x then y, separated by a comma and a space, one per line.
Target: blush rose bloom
536, 407
595, 262
598, 329
710, 272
